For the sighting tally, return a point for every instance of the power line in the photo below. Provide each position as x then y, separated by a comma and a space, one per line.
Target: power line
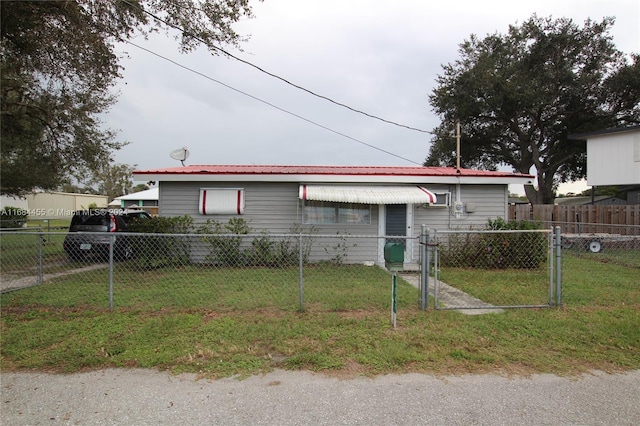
269, 104
224, 52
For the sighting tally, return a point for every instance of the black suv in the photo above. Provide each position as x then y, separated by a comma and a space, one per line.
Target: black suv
89, 233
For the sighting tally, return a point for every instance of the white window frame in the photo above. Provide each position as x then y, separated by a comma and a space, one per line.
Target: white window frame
443, 199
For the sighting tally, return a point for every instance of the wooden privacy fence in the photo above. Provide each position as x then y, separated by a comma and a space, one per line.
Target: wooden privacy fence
623, 220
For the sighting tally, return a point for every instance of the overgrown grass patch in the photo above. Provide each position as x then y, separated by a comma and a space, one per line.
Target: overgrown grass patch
503, 287
344, 330
19, 251
561, 341
600, 283
333, 288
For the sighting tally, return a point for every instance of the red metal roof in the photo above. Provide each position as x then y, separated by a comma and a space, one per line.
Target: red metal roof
325, 170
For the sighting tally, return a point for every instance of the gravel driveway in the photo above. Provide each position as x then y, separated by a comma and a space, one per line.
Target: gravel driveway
147, 397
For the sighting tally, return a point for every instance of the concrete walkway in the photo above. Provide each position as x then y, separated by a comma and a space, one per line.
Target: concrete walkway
450, 296
10, 282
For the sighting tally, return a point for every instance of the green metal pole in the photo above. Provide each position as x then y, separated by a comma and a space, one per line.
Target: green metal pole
393, 299
40, 254
300, 266
112, 241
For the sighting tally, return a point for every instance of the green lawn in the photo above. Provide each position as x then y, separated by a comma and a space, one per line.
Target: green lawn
246, 321
19, 251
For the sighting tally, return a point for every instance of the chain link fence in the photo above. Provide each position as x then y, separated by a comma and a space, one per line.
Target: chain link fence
484, 270
218, 272
619, 246
602, 243
468, 270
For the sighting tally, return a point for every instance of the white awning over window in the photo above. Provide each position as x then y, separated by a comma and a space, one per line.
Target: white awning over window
368, 194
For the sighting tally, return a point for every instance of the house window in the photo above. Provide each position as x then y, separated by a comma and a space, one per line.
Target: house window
221, 201
327, 212
443, 199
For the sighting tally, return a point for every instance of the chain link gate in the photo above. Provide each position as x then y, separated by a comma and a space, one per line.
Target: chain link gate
490, 270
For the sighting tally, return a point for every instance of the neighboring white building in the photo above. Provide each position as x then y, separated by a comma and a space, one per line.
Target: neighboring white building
143, 199
54, 205
10, 201
613, 158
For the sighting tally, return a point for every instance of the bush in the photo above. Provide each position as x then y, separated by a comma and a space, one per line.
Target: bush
262, 251
497, 250
13, 217
225, 245
153, 251
224, 241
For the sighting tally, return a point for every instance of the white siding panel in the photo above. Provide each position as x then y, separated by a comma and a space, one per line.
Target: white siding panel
613, 159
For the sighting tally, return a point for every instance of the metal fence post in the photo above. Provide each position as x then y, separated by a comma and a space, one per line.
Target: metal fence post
300, 265
558, 233
112, 241
424, 269
394, 286
40, 260
435, 268
552, 262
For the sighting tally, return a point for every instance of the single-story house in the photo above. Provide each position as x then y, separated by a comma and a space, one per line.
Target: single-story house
147, 200
373, 201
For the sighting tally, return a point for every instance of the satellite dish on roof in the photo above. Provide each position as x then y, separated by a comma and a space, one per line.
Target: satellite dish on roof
180, 154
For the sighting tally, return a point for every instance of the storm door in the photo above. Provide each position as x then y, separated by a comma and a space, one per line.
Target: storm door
396, 222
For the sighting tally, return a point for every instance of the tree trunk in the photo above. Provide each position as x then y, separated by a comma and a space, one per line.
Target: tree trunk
532, 194
543, 195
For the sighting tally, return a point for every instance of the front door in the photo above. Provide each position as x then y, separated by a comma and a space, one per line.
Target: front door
396, 222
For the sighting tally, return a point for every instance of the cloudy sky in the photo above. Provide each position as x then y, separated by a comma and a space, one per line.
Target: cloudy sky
378, 56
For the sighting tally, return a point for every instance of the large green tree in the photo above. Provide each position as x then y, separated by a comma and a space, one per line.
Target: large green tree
112, 180
520, 95
58, 67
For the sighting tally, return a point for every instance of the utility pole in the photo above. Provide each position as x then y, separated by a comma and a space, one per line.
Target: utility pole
458, 145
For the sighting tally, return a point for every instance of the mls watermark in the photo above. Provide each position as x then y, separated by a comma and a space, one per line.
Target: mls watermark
40, 212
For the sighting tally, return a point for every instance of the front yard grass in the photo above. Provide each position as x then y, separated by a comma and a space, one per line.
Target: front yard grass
251, 324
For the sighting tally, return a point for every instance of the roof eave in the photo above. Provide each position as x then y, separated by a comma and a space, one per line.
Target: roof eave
603, 132
308, 178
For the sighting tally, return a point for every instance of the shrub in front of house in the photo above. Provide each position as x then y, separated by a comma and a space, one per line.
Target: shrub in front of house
224, 241
155, 250
214, 243
496, 250
226, 245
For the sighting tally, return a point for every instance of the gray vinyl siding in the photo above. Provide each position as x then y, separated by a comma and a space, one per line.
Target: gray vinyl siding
272, 207
491, 202
275, 208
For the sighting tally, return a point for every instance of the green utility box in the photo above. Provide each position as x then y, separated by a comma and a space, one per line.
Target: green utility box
393, 256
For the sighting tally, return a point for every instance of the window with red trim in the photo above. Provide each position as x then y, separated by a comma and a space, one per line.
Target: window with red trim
222, 201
